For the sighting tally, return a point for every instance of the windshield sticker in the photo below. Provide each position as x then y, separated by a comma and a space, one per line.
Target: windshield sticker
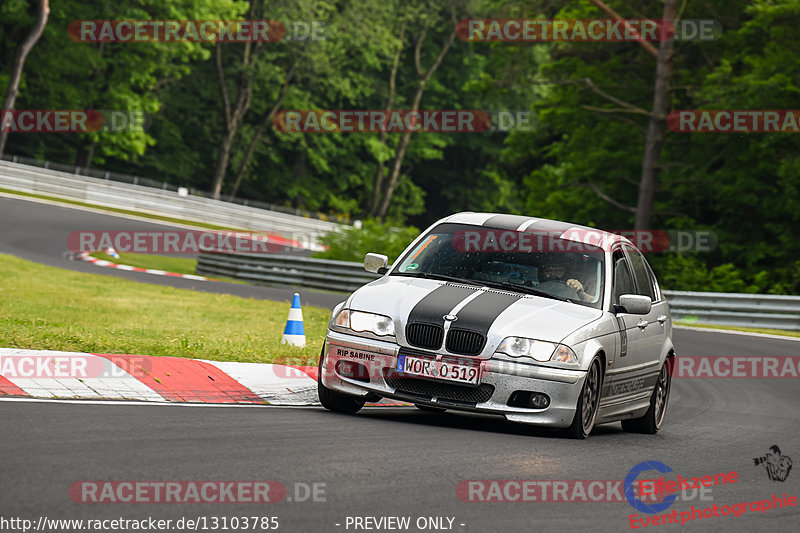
422, 247
412, 266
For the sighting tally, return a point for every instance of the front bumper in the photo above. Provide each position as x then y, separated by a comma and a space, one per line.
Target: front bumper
499, 380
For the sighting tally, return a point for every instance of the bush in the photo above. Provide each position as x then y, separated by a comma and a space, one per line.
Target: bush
353, 244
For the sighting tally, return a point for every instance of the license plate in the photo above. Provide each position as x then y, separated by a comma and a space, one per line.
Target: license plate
445, 370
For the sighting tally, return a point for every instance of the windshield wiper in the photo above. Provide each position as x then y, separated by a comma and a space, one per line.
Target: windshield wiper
522, 288
441, 277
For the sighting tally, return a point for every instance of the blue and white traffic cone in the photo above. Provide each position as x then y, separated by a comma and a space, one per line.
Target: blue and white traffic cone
294, 333
112, 252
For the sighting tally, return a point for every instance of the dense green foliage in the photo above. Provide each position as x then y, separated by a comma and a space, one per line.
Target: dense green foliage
581, 162
382, 238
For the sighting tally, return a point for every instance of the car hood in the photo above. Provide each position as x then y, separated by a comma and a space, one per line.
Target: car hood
495, 313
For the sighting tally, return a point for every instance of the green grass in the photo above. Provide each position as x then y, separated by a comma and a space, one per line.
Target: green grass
179, 265
783, 332
122, 211
47, 308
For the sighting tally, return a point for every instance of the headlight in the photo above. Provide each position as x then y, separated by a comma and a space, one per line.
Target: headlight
379, 325
538, 350
522, 347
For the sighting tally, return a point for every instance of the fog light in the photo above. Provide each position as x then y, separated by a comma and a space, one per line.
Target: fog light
539, 400
352, 370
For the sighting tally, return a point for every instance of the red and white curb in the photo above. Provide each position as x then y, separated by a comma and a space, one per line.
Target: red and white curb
84, 256
74, 375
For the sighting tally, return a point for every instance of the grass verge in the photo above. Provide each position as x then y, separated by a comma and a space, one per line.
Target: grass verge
47, 308
781, 332
122, 211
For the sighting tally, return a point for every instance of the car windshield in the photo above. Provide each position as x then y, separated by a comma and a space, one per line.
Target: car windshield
529, 262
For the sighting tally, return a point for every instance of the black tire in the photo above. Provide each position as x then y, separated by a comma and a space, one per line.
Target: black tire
653, 419
332, 400
429, 409
589, 400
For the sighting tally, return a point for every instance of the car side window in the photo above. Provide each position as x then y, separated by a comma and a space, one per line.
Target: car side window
640, 273
654, 283
623, 281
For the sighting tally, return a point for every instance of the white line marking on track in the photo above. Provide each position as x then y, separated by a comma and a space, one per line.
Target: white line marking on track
178, 404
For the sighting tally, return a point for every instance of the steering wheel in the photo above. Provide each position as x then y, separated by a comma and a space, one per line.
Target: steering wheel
559, 287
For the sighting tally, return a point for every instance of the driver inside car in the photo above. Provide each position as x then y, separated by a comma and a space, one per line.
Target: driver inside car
555, 270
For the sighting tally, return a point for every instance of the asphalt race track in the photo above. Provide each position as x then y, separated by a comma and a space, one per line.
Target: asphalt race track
384, 461
38, 232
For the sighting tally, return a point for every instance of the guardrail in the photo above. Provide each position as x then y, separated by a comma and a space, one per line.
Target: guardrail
723, 309
735, 309
342, 276
107, 175
162, 202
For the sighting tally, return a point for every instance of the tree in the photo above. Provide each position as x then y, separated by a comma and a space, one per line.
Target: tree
386, 191
18, 64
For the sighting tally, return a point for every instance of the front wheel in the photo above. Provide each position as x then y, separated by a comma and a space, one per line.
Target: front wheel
332, 400
653, 419
586, 410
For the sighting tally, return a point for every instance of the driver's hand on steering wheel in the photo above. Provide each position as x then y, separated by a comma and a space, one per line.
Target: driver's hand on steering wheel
575, 284
578, 286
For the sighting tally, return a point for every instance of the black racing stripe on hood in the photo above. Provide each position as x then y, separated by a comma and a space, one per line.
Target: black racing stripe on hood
479, 314
509, 222
439, 302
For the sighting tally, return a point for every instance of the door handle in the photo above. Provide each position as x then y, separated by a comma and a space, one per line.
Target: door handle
642, 324
662, 319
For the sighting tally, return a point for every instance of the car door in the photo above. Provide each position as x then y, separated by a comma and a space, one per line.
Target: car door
654, 330
625, 378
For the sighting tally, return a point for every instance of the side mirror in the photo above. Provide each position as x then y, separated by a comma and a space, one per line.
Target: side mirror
635, 304
376, 263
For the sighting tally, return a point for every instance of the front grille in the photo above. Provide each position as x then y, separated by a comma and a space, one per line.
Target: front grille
442, 390
464, 342
425, 335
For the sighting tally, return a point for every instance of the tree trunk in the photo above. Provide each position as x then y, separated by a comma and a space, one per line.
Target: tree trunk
394, 179
85, 154
379, 176
655, 128
251, 148
232, 114
19, 62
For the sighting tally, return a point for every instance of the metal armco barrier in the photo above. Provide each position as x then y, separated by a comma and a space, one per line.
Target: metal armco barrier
715, 308
342, 276
163, 202
735, 309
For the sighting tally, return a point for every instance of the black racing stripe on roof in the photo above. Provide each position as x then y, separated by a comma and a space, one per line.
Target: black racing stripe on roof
506, 221
439, 302
479, 314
